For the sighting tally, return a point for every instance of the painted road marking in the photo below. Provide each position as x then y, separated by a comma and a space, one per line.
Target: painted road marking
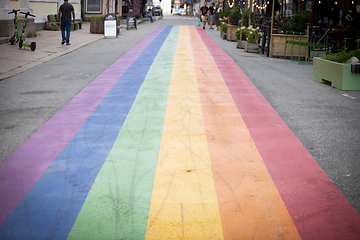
60, 192
318, 209
184, 203
25, 165
119, 200
250, 205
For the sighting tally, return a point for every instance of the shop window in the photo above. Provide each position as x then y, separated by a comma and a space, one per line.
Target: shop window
93, 6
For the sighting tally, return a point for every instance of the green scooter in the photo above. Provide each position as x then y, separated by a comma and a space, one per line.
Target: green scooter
22, 43
15, 38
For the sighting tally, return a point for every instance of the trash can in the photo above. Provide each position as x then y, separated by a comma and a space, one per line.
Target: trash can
110, 25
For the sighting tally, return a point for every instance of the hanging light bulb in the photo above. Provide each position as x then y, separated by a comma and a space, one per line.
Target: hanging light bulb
319, 2
335, 3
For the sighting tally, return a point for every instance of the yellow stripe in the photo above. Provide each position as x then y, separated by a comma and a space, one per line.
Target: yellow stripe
184, 202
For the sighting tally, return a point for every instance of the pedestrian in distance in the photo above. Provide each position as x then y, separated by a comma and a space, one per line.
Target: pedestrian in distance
143, 13
204, 12
212, 14
65, 11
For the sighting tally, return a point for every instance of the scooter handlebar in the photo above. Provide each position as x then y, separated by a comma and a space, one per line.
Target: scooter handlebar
14, 11
28, 14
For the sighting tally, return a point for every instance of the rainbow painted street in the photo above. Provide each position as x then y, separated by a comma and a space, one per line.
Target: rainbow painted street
172, 141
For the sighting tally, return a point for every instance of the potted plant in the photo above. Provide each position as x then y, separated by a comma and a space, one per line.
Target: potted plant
223, 20
243, 32
291, 30
233, 18
331, 23
253, 36
97, 24
223, 30
334, 69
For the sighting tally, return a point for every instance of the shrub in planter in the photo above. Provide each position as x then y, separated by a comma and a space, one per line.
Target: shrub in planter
343, 56
297, 24
223, 30
97, 24
225, 13
234, 16
245, 18
244, 34
223, 27
253, 34
335, 70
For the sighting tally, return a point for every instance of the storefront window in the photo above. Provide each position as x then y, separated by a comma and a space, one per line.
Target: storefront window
93, 6
307, 5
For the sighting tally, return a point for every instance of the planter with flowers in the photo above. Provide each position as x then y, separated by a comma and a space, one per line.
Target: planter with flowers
253, 37
241, 32
223, 30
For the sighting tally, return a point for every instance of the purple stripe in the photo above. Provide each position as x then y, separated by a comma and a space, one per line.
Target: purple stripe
25, 165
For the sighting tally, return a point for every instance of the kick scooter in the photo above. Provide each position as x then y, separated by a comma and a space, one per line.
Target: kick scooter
22, 43
14, 39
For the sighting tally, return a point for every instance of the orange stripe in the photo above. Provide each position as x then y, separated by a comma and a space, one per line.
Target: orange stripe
250, 205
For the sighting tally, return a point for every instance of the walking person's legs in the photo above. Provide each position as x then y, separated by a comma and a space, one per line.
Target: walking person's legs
62, 27
211, 21
204, 19
68, 28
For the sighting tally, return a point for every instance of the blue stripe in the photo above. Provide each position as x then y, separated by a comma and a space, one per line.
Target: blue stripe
50, 208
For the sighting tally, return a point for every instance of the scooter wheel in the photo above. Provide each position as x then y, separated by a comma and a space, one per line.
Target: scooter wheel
12, 41
20, 44
33, 46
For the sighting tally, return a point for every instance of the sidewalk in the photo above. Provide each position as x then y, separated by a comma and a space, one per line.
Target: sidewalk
14, 60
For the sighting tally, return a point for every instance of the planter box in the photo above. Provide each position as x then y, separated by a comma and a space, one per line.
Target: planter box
339, 74
97, 25
252, 47
231, 29
52, 27
277, 46
243, 43
224, 35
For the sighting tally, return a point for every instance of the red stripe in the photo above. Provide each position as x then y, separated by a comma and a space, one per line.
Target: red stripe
318, 209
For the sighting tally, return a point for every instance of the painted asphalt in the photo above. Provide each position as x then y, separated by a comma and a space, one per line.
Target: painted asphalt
173, 140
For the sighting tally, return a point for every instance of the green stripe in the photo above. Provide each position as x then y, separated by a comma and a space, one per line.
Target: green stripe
118, 203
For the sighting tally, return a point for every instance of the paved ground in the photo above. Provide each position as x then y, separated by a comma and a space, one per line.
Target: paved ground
325, 120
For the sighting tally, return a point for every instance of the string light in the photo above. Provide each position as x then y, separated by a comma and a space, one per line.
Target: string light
232, 4
260, 6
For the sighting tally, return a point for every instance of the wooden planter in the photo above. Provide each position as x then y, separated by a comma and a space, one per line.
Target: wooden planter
339, 74
97, 25
231, 29
252, 47
277, 46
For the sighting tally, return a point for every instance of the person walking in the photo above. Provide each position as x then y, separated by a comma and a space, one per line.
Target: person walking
65, 11
212, 14
204, 11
